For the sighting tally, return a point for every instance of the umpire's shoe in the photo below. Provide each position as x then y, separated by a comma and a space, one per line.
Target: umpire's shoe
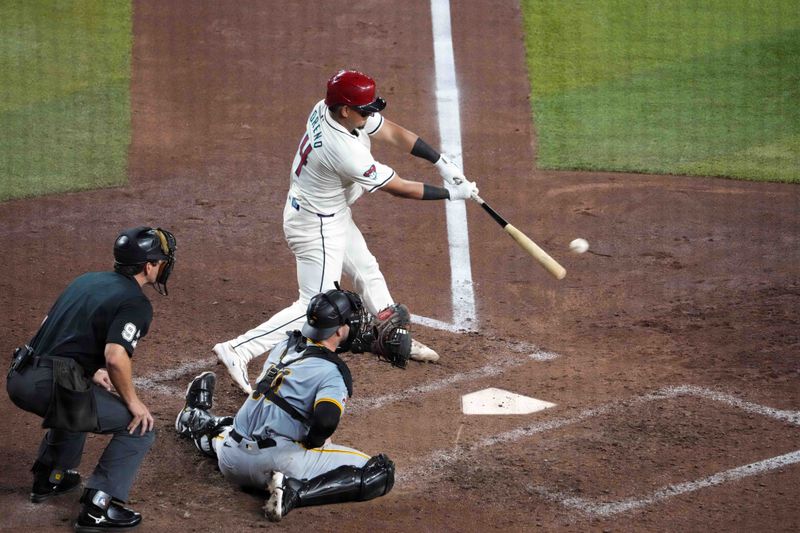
282, 498
48, 482
100, 513
199, 395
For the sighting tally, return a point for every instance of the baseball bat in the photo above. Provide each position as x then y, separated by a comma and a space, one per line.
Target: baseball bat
525, 242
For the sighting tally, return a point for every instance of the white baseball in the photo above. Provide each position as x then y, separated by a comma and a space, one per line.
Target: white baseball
579, 246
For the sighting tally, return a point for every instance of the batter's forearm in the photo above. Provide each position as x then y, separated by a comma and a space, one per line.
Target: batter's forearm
425, 151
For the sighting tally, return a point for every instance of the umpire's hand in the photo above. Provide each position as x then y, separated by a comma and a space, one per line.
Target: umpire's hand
141, 416
118, 364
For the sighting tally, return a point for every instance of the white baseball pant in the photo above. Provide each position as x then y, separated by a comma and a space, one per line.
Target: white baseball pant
324, 247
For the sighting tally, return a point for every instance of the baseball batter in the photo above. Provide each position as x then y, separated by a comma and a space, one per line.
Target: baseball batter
280, 438
332, 168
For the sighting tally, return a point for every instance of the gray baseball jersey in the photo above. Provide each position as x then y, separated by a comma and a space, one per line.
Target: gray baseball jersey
303, 383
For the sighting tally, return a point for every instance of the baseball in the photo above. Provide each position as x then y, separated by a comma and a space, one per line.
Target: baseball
579, 246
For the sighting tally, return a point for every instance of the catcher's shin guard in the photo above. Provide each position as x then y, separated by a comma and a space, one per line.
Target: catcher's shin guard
348, 483
344, 484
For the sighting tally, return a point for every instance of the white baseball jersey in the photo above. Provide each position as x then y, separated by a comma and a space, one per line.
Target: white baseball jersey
331, 163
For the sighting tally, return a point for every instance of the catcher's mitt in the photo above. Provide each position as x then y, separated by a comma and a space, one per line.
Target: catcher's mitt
392, 340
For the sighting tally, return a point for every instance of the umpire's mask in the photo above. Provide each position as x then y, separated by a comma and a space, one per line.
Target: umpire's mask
136, 246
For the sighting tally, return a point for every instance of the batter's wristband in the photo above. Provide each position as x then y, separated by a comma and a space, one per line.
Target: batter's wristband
424, 150
432, 192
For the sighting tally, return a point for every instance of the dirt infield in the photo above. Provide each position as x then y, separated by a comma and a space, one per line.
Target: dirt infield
671, 353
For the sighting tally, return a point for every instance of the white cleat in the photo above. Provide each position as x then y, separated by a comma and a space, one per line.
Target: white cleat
236, 365
420, 352
273, 507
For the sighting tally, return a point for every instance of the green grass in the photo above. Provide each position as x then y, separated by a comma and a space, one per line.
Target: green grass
64, 102
700, 87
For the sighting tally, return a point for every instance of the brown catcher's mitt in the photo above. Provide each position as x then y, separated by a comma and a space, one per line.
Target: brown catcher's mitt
392, 340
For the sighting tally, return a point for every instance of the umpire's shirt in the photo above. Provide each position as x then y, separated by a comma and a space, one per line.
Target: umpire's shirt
95, 309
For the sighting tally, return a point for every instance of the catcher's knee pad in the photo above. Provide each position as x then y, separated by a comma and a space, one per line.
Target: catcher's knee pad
377, 477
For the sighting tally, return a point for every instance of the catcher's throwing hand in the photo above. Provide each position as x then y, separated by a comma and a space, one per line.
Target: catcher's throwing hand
463, 191
450, 171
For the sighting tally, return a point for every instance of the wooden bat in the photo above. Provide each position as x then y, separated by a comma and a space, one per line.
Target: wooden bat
550, 264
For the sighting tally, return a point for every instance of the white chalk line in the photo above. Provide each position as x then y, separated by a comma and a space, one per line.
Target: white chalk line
427, 471
447, 97
611, 508
793, 417
438, 324
152, 382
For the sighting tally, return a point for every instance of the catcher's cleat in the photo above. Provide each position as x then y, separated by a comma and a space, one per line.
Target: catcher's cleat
200, 392
52, 482
420, 352
199, 395
282, 498
236, 365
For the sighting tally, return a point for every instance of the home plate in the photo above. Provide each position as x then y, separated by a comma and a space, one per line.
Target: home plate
500, 402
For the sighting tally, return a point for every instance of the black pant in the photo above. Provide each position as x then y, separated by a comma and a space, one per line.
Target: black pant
32, 389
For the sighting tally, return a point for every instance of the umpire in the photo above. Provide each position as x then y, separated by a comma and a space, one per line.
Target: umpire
82, 350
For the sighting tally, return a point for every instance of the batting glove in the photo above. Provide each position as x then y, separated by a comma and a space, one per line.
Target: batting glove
449, 171
463, 191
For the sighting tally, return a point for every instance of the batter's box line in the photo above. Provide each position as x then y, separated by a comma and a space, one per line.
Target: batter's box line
431, 469
441, 325
606, 509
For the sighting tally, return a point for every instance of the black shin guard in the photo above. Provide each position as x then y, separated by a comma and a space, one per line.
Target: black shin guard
347, 483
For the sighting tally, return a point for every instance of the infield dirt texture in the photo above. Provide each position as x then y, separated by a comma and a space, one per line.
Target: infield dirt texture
672, 357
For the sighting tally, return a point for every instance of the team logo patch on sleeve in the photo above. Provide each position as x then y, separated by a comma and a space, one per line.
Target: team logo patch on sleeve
371, 173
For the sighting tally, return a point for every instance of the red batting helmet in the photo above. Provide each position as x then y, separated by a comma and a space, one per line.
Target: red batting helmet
355, 89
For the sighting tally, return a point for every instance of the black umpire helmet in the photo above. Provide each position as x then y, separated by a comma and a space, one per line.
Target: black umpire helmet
328, 311
143, 244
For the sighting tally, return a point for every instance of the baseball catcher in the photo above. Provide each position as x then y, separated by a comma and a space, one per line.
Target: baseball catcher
280, 438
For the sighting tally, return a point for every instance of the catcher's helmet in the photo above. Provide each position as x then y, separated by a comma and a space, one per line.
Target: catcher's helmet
328, 311
136, 246
355, 89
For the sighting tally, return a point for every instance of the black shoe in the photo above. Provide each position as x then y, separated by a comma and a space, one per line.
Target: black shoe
48, 483
200, 392
95, 519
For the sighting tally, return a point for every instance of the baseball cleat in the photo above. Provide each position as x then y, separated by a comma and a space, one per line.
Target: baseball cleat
280, 500
236, 365
54, 483
199, 395
420, 352
200, 391
100, 513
